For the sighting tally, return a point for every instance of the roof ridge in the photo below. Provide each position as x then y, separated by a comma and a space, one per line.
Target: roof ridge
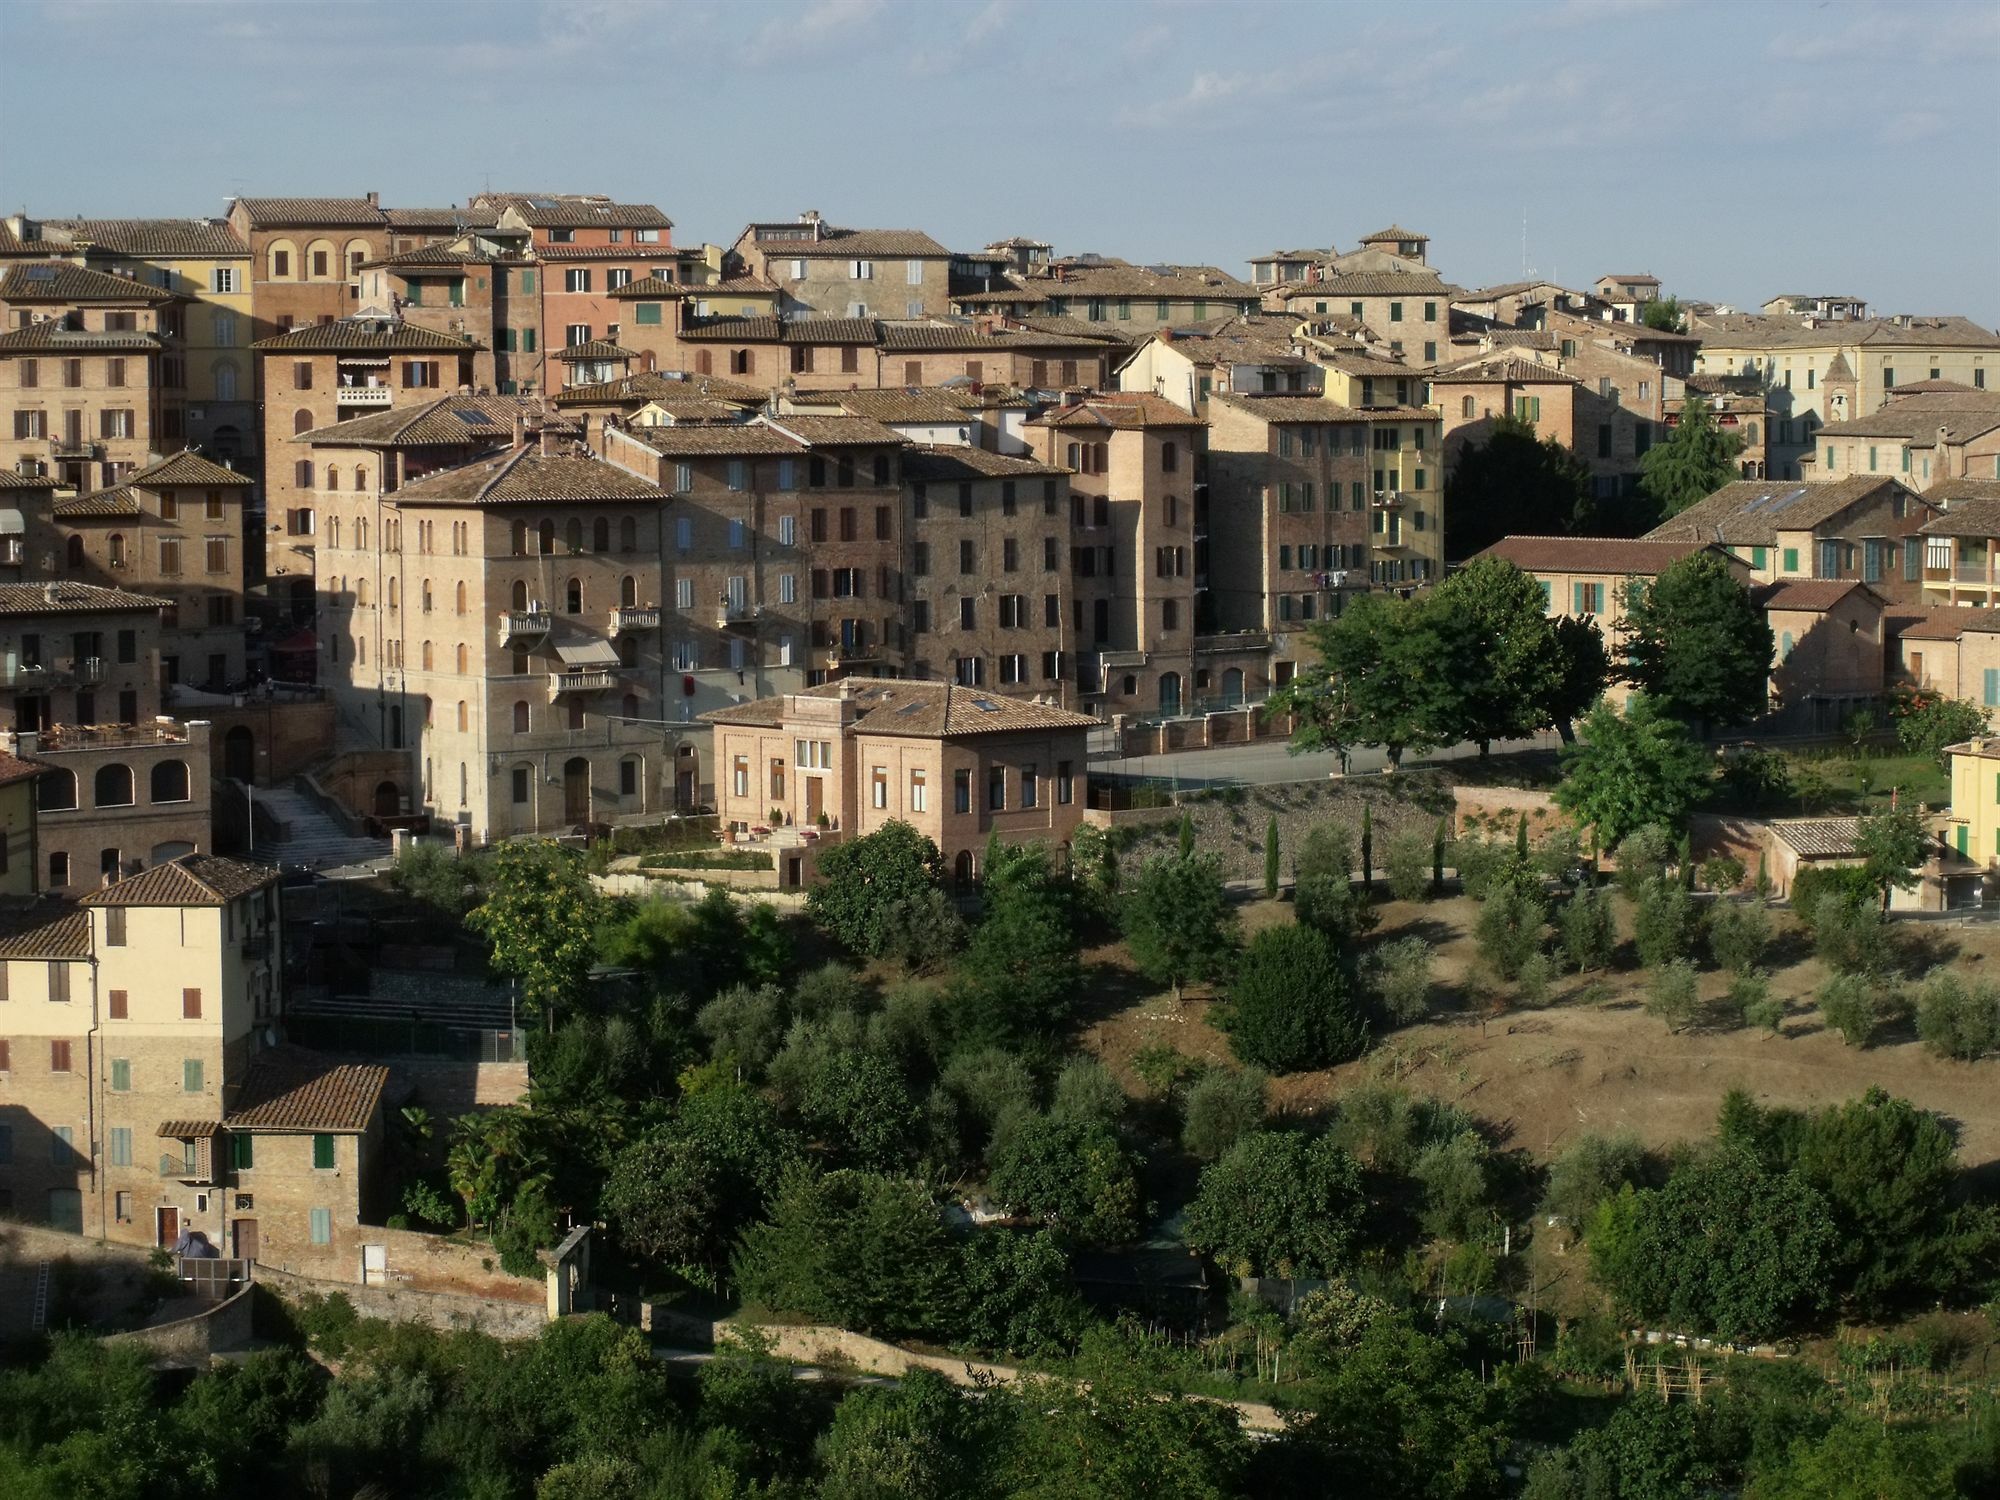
501, 471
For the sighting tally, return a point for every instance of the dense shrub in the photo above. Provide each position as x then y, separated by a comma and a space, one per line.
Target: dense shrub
1663, 925
1957, 1018
1293, 1003
1399, 977
1510, 926
1221, 1107
1589, 929
1738, 934
1278, 1204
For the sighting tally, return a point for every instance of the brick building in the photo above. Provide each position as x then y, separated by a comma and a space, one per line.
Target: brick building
851, 273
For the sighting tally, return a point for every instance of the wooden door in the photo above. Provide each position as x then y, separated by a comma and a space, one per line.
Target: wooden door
815, 798
243, 1239
576, 790
167, 1225
374, 1265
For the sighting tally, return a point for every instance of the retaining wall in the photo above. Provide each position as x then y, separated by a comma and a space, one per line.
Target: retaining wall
215, 1328
444, 1310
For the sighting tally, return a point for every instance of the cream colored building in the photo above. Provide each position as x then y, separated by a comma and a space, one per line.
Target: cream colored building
843, 760
1928, 433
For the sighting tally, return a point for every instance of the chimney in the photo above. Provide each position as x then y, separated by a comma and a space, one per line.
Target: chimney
374, 200
548, 440
520, 430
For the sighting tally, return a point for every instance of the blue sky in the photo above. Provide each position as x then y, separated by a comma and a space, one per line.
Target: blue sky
1733, 149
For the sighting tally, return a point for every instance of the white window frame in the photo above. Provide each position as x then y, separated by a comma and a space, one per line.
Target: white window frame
223, 280
576, 279
788, 528
788, 588
683, 593
861, 270
913, 272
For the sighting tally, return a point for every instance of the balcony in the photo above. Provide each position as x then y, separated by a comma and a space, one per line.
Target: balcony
522, 625
635, 617
35, 676
365, 395
852, 653
1972, 573
588, 681
194, 1166
1389, 500
76, 447
1235, 640
730, 612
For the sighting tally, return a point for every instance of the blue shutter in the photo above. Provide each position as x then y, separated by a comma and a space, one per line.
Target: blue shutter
1992, 698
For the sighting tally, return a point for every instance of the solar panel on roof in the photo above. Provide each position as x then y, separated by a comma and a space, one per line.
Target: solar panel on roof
40, 273
470, 418
986, 705
910, 708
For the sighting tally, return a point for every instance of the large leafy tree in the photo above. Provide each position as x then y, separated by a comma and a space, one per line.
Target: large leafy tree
1508, 673
867, 887
1664, 313
1892, 845
1380, 673
1514, 484
1696, 643
1071, 1174
1927, 723
1278, 1204
1021, 970
1726, 1247
1698, 459
1631, 769
1582, 668
1178, 920
541, 915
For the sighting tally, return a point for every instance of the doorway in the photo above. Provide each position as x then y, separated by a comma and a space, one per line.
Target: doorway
815, 799
239, 754
576, 790
166, 1227
374, 1265
66, 1209
388, 801
243, 1239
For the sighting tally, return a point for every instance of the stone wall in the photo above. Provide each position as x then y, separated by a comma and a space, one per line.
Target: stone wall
444, 1310
285, 738
213, 1328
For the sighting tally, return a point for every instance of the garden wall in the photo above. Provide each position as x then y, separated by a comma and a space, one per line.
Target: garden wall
213, 1328
444, 1310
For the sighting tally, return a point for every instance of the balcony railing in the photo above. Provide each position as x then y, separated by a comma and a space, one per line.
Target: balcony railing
1235, 640
365, 395
590, 681
75, 448
845, 653
516, 624
635, 617
188, 1168
734, 612
1972, 573
31, 675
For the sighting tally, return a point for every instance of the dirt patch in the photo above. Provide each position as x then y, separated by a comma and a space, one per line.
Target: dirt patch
1545, 1075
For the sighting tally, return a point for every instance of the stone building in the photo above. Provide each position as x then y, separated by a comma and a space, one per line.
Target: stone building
959, 765
1407, 309
851, 273
1928, 432
81, 368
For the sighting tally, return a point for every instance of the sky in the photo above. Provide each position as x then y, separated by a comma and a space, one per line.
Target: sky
1735, 150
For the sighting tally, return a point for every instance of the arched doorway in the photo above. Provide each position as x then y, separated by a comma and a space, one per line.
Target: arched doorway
1170, 695
576, 790
239, 754
388, 800
227, 441
962, 870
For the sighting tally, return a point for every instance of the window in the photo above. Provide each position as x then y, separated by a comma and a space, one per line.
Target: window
961, 791
323, 1155
114, 926
113, 786
121, 1145
878, 787
190, 1005
191, 1075
121, 1075
1030, 787
59, 1053
919, 794
996, 789
120, 1005
577, 279
242, 1151
322, 1218
1065, 782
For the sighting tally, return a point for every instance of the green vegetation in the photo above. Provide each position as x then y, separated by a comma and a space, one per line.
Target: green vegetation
1697, 459
708, 859
1696, 643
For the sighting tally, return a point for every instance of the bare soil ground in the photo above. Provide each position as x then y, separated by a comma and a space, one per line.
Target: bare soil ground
1545, 1075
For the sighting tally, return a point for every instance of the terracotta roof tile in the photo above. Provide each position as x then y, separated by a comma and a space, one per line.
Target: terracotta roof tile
373, 335
1393, 232
720, 440
919, 337
1367, 284
947, 465
858, 244
648, 385
1764, 331
1818, 837
1126, 411
14, 768
44, 929
525, 475
1813, 596
440, 218
158, 237
579, 211
186, 467
448, 422
191, 880
118, 502
51, 337
1957, 491
69, 598
1975, 515
279, 213
836, 432
11, 479
1938, 622
1750, 512
187, 1130
927, 710
1591, 554
59, 281
290, 1088
596, 349
1959, 414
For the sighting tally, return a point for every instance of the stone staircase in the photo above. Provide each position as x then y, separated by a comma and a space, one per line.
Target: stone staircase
313, 837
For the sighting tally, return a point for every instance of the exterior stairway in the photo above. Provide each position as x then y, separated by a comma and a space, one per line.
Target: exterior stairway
313, 837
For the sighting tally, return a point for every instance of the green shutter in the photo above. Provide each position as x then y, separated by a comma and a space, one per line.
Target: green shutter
1548, 595
121, 1146
323, 1157
191, 1075
1993, 687
647, 313
121, 1075
415, 294
1791, 559
242, 1151
527, 341
1961, 838
527, 281
322, 1226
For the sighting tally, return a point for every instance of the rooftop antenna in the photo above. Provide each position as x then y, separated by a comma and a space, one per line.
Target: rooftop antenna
1524, 244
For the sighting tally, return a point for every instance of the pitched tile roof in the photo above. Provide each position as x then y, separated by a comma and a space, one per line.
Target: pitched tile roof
1975, 515
1592, 554
1750, 512
60, 281
1938, 622
919, 337
1933, 388
721, 440
1811, 595
290, 1088
1120, 411
441, 257
1393, 232
1085, 328
596, 349
11, 479
686, 406
926, 710
1496, 369
914, 404
187, 1130
1960, 414
44, 929
579, 211
13, 768
1367, 284
859, 244
1633, 278
734, 286
374, 335
440, 218
118, 502
279, 213
1291, 408
52, 337
186, 467
1955, 491
525, 475
1117, 278
1765, 331
1818, 837
447, 422
769, 329
836, 432
650, 385
191, 880
948, 465
69, 599
157, 237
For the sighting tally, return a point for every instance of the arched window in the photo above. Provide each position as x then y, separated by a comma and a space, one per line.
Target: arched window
461, 718
395, 594
361, 479
333, 531
458, 658
282, 260
628, 591
225, 381
427, 596
424, 655
361, 533
170, 781
361, 597
333, 476
302, 421
113, 787
962, 869
573, 596
628, 535
114, 547
302, 474
73, 552
629, 707
458, 598
600, 534
520, 538
573, 536
55, 791
545, 538
520, 599
1465, 407
520, 716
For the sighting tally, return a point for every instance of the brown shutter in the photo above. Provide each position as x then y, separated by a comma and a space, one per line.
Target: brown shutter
119, 1005
191, 1005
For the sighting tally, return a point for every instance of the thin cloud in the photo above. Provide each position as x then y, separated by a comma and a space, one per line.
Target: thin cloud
988, 22
1204, 92
821, 25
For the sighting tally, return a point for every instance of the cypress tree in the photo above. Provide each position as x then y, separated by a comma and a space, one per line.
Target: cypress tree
1367, 847
1271, 858
1437, 859
1187, 832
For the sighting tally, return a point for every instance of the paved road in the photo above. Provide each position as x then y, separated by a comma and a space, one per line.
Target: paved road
1268, 761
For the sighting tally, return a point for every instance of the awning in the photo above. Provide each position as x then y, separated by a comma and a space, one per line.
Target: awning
587, 653
12, 523
189, 1130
